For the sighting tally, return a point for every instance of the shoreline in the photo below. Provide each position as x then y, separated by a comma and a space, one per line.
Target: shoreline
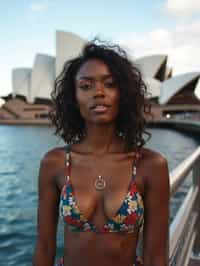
27, 122
184, 126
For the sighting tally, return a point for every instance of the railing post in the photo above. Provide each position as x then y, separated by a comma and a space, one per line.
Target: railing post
196, 182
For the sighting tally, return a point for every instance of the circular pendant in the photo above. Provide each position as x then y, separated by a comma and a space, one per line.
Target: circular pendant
100, 183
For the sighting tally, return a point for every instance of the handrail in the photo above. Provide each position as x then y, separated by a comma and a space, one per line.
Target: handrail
178, 175
184, 229
184, 219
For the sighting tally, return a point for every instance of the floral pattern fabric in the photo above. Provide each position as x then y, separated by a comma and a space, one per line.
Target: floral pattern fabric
138, 262
128, 218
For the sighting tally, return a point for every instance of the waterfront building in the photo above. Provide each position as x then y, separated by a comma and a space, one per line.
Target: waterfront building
42, 79
30, 101
21, 78
154, 66
68, 45
179, 98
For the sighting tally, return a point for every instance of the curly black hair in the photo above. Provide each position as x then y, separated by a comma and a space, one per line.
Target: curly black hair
134, 105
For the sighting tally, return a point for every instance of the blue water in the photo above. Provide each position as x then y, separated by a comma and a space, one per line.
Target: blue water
21, 149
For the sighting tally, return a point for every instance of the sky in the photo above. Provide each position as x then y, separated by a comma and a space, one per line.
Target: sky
144, 27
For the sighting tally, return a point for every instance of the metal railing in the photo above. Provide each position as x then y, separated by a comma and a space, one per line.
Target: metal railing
185, 229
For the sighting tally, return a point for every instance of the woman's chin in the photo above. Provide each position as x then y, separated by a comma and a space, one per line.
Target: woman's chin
102, 120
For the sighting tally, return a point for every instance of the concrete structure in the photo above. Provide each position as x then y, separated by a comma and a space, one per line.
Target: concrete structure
21, 82
153, 66
37, 83
197, 90
153, 87
2, 101
68, 45
16, 111
168, 73
42, 77
185, 83
175, 111
171, 97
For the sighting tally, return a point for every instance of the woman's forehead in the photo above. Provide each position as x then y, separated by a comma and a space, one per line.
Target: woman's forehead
93, 68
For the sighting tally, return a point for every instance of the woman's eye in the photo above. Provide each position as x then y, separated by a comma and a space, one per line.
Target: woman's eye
85, 86
109, 84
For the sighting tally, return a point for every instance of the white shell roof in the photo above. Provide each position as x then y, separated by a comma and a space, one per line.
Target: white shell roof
21, 81
68, 46
153, 86
43, 76
197, 90
168, 71
2, 101
173, 85
149, 65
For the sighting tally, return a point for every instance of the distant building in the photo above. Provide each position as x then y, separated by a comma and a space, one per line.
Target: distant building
21, 78
17, 111
180, 98
171, 96
2, 102
180, 89
68, 46
154, 66
35, 85
42, 79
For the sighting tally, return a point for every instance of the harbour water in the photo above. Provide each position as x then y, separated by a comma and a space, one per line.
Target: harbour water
21, 149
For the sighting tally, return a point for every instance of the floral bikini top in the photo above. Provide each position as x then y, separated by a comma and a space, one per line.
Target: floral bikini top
129, 217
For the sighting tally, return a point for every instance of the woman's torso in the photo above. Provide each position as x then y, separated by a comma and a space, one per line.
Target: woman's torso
89, 248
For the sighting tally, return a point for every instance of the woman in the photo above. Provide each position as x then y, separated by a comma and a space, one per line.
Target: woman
108, 185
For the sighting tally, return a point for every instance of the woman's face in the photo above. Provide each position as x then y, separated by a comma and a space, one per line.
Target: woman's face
97, 94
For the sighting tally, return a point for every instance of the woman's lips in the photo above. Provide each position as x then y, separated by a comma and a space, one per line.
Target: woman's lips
100, 109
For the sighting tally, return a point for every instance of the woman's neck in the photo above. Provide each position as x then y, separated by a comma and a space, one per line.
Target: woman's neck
101, 139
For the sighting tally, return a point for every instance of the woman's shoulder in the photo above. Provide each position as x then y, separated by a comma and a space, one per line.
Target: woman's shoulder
54, 158
152, 155
155, 166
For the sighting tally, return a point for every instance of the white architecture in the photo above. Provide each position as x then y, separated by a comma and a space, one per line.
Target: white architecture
68, 45
153, 87
2, 101
42, 77
38, 82
168, 72
21, 82
197, 90
175, 84
151, 65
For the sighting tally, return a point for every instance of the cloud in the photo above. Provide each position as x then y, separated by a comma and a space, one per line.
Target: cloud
180, 44
38, 6
182, 7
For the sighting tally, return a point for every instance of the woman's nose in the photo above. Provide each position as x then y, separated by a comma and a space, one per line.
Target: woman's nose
99, 89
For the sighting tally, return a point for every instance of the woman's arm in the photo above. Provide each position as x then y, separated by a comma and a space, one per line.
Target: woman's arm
156, 220
48, 203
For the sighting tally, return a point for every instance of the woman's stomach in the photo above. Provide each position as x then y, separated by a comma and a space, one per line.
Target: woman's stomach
89, 248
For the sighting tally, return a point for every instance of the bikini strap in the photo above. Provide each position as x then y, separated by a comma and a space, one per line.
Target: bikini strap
137, 156
67, 160
67, 148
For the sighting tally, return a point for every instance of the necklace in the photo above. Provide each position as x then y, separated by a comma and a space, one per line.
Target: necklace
100, 183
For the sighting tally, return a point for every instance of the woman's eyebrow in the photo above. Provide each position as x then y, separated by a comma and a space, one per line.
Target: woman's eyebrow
91, 78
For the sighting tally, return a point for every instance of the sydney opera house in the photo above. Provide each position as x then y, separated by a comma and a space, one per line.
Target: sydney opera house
30, 100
